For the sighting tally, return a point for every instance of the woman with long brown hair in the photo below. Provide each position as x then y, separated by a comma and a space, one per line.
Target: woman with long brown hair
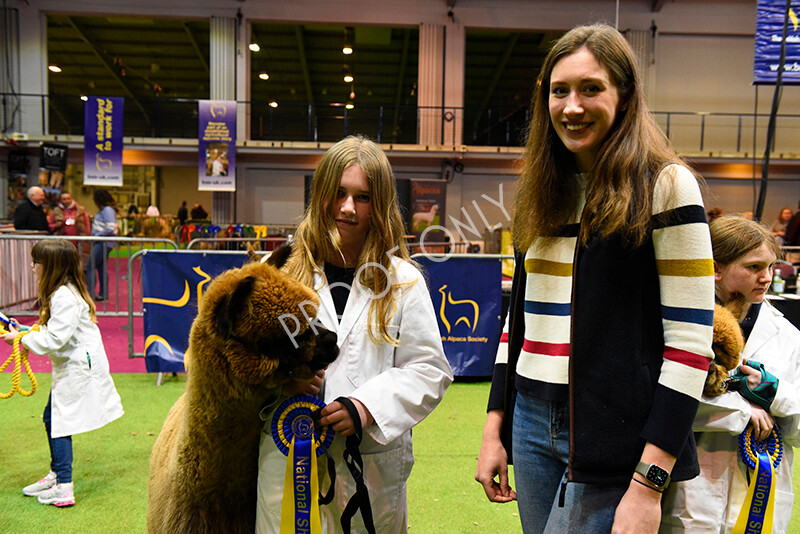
602, 363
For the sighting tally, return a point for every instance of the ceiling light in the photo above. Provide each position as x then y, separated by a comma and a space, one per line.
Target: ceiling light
347, 47
254, 47
273, 104
349, 105
348, 77
54, 68
263, 75
84, 98
352, 94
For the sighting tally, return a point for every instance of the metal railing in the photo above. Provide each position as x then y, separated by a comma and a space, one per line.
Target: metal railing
20, 291
712, 133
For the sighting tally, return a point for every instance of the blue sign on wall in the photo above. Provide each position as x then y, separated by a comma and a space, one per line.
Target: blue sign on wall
769, 34
102, 141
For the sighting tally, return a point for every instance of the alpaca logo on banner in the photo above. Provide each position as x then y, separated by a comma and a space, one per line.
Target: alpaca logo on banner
472, 310
170, 304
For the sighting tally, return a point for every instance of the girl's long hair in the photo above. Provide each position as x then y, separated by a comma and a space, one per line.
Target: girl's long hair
619, 188
317, 238
61, 265
733, 236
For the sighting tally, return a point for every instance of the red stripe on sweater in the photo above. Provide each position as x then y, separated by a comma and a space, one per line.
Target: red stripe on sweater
687, 358
549, 349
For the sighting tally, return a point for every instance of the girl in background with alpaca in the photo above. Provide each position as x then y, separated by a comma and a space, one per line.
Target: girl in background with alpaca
104, 224
391, 365
82, 393
744, 252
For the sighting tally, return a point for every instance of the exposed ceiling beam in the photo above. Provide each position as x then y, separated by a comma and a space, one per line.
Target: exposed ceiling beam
511, 42
301, 49
197, 50
77, 29
657, 5
400, 76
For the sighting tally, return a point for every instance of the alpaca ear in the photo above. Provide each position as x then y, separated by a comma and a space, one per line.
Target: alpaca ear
232, 305
251, 253
279, 256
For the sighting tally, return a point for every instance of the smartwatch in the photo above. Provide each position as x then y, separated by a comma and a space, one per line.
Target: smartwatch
655, 475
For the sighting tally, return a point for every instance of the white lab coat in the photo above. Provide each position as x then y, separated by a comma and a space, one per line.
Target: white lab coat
711, 502
399, 385
83, 394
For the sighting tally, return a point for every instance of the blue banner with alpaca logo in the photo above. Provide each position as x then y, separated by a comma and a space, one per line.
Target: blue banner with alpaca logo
172, 284
770, 17
467, 295
102, 141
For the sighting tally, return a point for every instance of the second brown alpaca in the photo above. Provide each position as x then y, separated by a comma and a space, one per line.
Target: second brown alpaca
728, 346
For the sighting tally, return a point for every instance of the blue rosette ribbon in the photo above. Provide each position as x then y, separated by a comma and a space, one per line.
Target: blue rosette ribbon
762, 457
297, 437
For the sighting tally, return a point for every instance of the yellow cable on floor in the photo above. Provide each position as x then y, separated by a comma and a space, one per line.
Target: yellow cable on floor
20, 357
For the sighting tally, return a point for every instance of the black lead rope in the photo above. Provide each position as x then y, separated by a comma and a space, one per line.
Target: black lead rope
352, 457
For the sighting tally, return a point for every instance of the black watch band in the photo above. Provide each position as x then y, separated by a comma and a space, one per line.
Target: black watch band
654, 474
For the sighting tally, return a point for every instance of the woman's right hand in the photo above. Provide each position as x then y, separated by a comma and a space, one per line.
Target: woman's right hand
493, 461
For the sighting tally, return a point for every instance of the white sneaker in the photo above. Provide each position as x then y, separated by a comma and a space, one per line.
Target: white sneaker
37, 487
59, 495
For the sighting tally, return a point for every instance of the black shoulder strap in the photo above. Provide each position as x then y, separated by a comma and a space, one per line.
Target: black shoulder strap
352, 457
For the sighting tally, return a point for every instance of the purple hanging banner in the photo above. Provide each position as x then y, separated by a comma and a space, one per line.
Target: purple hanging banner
217, 145
102, 141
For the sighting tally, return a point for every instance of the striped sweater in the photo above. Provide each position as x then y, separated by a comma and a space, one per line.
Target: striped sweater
623, 333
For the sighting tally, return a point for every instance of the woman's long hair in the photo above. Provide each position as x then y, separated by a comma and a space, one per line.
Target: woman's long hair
619, 187
103, 198
61, 265
317, 238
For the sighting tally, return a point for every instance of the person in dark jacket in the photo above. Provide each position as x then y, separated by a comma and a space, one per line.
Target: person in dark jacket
183, 213
602, 364
29, 214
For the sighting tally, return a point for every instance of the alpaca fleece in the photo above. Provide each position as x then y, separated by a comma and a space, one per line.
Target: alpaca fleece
204, 464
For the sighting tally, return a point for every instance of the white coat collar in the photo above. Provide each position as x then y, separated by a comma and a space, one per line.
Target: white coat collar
357, 301
763, 330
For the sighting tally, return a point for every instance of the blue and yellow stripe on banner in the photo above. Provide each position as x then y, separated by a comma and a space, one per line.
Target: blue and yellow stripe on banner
763, 457
295, 435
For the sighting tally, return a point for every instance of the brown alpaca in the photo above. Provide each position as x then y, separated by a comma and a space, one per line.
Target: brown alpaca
728, 345
204, 465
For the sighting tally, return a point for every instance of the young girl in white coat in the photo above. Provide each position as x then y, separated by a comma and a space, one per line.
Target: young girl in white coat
82, 393
391, 364
744, 253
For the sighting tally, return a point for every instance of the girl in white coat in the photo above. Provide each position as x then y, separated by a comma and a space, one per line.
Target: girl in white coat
744, 253
391, 364
82, 394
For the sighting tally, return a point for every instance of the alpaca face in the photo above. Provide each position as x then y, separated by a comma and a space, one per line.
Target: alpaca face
240, 329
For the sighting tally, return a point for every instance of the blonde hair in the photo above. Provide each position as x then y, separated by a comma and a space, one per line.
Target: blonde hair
733, 236
317, 238
61, 265
619, 188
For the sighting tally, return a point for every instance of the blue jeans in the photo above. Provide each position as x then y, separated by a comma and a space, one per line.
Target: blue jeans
96, 263
540, 441
60, 449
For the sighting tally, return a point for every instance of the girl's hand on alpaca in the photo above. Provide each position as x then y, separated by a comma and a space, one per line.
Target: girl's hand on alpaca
753, 375
337, 416
304, 387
